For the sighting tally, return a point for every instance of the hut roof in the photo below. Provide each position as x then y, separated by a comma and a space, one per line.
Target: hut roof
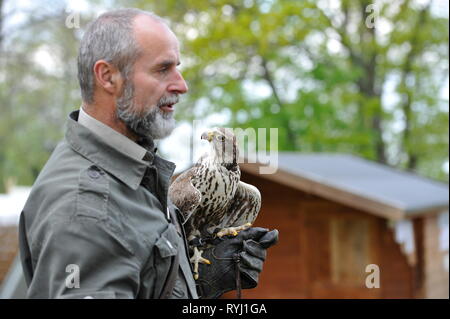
359, 183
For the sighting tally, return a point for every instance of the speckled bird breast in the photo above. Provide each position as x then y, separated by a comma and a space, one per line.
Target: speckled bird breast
218, 186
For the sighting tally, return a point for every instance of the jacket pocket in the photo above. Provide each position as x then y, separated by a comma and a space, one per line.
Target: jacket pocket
93, 193
166, 248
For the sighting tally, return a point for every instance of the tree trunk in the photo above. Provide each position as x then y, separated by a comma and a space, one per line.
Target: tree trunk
292, 138
368, 85
406, 107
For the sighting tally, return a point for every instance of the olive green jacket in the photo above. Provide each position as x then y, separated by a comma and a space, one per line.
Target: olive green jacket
98, 224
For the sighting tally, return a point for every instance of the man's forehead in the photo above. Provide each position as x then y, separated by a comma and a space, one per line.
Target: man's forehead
154, 35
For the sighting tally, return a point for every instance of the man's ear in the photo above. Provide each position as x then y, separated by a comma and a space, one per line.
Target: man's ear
108, 77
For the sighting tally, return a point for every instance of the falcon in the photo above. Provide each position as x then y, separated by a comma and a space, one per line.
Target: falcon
211, 197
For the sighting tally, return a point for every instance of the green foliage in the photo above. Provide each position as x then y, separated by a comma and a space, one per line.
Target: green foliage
336, 84
38, 87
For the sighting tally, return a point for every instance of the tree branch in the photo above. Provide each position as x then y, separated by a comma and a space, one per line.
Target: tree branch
342, 33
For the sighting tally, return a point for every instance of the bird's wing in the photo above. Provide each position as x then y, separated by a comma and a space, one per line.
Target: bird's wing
183, 194
244, 207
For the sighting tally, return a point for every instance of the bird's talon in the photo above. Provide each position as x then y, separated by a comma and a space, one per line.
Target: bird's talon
196, 259
233, 231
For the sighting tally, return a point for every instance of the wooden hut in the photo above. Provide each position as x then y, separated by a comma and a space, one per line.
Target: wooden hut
338, 215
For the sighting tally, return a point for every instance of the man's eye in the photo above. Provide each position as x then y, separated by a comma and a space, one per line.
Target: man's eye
164, 70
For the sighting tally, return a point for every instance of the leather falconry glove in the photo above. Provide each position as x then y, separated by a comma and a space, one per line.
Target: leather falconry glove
236, 262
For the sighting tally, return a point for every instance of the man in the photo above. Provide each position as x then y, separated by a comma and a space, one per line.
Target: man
98, 223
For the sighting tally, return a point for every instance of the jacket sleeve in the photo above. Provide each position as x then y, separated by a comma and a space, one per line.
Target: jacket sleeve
82, 258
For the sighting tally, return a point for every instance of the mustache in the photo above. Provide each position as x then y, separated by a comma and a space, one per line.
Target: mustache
168, 100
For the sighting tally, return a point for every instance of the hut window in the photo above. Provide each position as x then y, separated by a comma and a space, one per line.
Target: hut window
349, 242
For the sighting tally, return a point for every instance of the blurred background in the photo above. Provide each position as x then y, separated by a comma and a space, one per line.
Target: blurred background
368, 79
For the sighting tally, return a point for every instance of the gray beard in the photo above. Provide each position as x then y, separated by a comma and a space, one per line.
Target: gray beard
154, 123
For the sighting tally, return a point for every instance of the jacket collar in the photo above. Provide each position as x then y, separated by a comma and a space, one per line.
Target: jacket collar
130, 170
111, 136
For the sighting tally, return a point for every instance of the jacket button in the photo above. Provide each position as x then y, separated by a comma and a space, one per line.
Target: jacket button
93, 174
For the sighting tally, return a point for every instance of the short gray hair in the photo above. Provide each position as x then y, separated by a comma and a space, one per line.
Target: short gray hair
110, 37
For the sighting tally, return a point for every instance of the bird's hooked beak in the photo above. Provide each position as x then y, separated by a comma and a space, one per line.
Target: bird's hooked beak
208, 135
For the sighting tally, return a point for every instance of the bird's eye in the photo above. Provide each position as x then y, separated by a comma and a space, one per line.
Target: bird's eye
221, 138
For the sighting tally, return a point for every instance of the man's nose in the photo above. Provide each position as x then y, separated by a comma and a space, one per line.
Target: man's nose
178, 85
